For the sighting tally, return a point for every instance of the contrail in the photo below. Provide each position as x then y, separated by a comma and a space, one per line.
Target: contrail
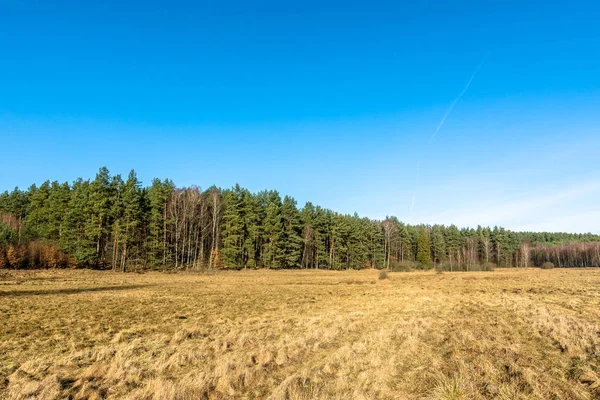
448, 111
458, 98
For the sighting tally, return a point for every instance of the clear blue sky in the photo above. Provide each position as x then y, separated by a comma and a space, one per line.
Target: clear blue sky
332, 102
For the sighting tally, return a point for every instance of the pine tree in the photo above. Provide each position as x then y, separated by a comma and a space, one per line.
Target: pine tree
272, 246
438, 244
307, 216
252, 229
132, 200
498, 238
376, 251
453, 244
58, 203
17, 205
233, 232
423, 248
108, 220
74, 238
322, 222
159, 194
291, 239
358, 240
37, 216
98, 223
116, 213
404, 240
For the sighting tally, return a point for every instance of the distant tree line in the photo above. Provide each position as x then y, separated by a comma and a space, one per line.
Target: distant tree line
113, 223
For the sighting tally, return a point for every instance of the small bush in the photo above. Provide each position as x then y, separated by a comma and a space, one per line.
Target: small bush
547, 265
445, 266
383, 274
484, 267
439, 269
3, 258
490, 266
404, 266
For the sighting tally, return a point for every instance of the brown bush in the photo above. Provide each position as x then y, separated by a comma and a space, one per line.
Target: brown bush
547, 265
33, 255
383, 274
404, 266
489, 266
49, 255
3, 258
14, 256
215, 258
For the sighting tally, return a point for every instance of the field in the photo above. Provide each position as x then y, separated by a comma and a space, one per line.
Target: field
508, 334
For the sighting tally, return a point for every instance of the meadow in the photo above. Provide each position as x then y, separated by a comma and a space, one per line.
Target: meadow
507, 334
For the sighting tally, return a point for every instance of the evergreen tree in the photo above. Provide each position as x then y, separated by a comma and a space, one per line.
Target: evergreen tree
253, 216
233, 231
290, 238
74, 238
116, 213
272, 247
423, 249
159, 194
57, 204
98, 223
107, 221
133, 208
307, 217
38, 214
321, 223
438, 244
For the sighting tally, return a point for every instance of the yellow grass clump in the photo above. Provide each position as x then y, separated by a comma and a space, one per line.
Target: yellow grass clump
510, 334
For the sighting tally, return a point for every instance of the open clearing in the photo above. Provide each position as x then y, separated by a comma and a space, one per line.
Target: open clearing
508, 334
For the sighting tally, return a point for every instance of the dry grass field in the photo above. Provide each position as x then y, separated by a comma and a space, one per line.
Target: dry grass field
508, 334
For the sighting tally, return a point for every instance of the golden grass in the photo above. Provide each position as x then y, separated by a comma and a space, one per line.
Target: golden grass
509, 334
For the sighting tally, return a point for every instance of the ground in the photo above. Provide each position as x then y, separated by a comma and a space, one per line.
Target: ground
507, 334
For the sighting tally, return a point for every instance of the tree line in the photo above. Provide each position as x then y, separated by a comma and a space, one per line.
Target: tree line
116, 223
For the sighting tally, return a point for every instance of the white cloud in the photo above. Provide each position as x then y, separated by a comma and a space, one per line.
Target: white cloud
562, 210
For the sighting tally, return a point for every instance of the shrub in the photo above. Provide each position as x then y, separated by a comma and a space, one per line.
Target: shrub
3, 258
14, 256
383, 274
547, 265
484, 267
444, 266
215, 259
489, 266
403, 266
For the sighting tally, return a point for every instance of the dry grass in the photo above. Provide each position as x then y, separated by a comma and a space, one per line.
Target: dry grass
300, 335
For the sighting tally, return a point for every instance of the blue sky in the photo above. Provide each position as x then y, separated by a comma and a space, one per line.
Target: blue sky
332, 102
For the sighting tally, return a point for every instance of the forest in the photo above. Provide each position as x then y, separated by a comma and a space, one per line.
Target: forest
112, 223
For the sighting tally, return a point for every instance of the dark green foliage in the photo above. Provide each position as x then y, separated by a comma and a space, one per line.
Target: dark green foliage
291, 241
110, 223
423, 248
75, 239
159, 194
